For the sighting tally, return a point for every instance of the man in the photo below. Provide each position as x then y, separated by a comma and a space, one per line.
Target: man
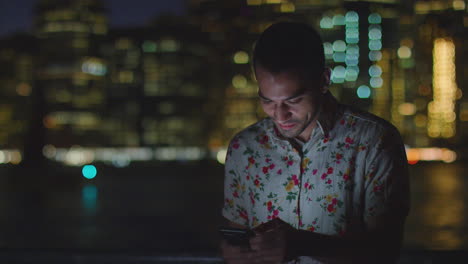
318, 182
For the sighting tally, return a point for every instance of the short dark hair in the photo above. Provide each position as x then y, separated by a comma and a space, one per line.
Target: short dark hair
289, 46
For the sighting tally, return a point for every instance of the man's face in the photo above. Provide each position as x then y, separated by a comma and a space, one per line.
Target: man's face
290, 101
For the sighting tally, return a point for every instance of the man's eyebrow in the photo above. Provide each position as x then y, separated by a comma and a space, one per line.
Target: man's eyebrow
289, 98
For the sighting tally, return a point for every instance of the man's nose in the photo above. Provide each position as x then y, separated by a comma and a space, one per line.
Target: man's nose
282, 112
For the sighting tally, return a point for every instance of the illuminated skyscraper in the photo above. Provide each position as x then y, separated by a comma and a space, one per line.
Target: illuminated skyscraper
17, 55
71, 69
160, 85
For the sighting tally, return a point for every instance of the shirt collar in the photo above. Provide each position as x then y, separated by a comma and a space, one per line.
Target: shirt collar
328, 114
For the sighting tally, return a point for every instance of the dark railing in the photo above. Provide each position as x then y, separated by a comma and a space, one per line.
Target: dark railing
59, 257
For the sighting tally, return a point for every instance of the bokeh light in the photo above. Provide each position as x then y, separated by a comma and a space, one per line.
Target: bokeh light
89, 171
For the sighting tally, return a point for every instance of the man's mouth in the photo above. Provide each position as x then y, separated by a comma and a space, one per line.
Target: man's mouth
287, 126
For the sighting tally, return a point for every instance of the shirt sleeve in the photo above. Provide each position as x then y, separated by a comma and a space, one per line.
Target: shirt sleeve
386, 179
234, 208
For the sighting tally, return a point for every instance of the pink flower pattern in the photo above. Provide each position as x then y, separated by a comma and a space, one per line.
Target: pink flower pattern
266, 179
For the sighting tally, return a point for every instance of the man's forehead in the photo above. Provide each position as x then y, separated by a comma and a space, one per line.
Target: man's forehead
290, 96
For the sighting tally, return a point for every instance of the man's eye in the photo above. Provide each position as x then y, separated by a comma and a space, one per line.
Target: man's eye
294, 101
265, 101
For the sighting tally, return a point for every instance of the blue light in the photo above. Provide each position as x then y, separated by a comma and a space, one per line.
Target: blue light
351, 16
352, 40
375, 55
351, 73
338, 74
375, 44
374, 18
89, 171
352, 49
376, 82
339, 57
328, 48
339, 45
326, 22
375, 71
375, 33
338, 20
363, 91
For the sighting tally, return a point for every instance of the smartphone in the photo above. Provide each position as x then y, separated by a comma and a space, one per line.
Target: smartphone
236, 236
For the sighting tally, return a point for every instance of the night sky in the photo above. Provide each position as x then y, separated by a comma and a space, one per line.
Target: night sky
16, 16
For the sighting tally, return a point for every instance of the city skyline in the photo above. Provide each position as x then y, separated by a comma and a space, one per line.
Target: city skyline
17, 17
146, 87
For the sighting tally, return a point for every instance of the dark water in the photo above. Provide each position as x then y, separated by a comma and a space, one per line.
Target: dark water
175, 208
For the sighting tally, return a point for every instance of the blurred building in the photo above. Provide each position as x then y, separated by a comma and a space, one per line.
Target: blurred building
17, 58
186, 83
159, 88
71, 70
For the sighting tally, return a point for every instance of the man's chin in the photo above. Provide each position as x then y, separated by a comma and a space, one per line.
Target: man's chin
288, 133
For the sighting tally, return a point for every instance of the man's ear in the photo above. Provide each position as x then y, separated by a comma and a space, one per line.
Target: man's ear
325, 80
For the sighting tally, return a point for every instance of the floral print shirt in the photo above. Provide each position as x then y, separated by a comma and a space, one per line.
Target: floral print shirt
352, 168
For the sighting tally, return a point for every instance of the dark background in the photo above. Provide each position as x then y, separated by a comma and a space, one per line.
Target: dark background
150, 92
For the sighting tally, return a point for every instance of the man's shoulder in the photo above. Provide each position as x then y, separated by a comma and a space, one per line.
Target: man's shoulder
262, 127
365, 119
367, 124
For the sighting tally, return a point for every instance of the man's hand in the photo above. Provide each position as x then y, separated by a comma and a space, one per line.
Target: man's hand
236, 254
269, 245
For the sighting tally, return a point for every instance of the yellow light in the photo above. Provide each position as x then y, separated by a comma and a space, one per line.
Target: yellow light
422, 7
239, 81
287, 8
123, 44
273, 1
430, 154
254, 2
221, 156
126, 76
407, 109
458, 5
464, 115
420, 120
441, 110
448, 156
15, 157
404, 52
407, 42
23, 89
459, 94
241, 57
412, 155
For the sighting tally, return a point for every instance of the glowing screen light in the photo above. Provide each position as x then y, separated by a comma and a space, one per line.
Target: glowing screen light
89, 171
363, 91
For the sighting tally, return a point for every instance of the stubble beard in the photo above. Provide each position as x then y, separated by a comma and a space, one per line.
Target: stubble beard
295, 132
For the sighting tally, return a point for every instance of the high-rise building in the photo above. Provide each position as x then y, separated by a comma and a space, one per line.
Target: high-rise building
71, 70
160, 85
17, 57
